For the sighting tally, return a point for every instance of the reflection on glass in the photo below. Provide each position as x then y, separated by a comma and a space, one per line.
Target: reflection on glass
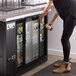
31, 40
35, 28
19, 44
42, 38
28, 44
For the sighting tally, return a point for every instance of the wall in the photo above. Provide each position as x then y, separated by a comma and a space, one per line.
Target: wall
54, 37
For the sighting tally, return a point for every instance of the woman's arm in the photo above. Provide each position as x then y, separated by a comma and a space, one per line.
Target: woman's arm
46, 9
53, 19
48, 25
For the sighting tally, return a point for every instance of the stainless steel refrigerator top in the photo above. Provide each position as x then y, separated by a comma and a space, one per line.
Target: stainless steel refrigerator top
35, 2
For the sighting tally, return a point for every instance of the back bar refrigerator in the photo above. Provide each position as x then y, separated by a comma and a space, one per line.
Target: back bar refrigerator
23, 44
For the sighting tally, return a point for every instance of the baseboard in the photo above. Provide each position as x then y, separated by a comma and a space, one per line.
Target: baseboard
60, 53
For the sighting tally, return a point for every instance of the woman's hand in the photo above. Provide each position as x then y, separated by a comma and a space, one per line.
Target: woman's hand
48, 26
40, 19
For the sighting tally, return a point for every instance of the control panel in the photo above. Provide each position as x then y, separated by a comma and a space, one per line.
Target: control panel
12, 58
11, 48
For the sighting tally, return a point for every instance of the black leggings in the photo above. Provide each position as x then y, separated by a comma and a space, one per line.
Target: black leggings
68, 27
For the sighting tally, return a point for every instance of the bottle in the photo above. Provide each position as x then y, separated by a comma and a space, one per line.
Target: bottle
49, 27
0, 3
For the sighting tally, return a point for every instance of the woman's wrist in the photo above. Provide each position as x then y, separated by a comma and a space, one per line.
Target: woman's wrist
50, 23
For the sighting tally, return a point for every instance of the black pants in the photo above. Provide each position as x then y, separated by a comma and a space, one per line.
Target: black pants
68, 27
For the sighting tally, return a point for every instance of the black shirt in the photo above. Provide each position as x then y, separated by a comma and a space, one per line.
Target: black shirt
64, 7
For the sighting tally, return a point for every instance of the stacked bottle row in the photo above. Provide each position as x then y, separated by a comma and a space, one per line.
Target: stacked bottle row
10, 3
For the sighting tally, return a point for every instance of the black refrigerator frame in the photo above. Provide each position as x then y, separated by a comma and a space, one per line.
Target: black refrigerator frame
25, 67
13, 69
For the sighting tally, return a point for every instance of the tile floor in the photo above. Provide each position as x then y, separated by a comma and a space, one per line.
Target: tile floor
51, 59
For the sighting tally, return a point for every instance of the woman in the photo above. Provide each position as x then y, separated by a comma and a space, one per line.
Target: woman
66, 9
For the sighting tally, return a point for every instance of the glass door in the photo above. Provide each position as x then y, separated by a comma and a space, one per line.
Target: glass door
31, 42
28, 40
35, 38
19, 44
